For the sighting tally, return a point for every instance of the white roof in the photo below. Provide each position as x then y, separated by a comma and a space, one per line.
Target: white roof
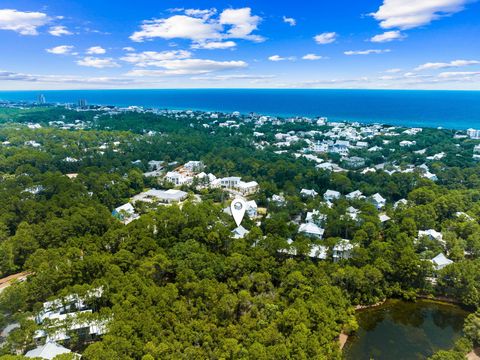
311, 228
125, 207
441, 260
318, 251
331, 193
378, 198
239, 232
47, 351
343, 245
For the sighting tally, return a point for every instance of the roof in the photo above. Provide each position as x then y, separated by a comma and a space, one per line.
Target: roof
331, 193
239, 232
311, 228
47, 351
125, 207
378, 198
441, 261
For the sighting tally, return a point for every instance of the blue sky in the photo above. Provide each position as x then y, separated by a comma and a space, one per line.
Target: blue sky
391, 44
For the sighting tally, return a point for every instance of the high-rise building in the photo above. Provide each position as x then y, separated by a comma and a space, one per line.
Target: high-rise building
41, 99
82, 103
473, 134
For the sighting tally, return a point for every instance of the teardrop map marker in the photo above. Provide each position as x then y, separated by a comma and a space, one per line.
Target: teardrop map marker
238, 207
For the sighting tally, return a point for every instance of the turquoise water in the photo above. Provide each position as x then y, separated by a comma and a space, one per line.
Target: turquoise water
449, 109
405, 331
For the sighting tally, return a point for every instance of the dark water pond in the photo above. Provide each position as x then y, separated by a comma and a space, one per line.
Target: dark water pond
405, 331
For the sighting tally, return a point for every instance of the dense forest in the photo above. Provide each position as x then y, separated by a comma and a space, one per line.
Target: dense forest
176, 284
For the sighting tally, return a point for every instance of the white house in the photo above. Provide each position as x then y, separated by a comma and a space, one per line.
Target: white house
308, 193
357, 194
239, 232
247, 188
311, 230
315, 217
342, 250
318, 252
378, 200
48, 351
401, 202
331, 195
177, 178
431, 234
125, 213
440, 261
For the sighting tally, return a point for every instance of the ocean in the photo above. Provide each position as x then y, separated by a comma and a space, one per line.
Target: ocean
447, 109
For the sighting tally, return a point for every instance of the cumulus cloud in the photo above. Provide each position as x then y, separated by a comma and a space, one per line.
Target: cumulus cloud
312, 57
24, 23
393, 71
153, 58
444, 65
59, 31
290, 21
99, 63
461, 74
188, 67
61, 50
325, 38
280, 58
366, 52
388, 36
201, 27
128, 49
409, 14
96, 50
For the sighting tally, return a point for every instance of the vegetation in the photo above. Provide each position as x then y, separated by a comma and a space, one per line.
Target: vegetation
176, 284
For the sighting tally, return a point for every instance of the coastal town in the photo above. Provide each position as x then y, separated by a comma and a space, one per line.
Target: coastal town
356, 194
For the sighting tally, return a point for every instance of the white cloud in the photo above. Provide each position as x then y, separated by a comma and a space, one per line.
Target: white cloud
61, 50
200, 27
24, 23
188, 67
366, 52
152, 58
461, 74
214, 45
96, 50
290, 21
232, 77
242, 23
204, 14
312, 57
128, 49
280, 58
444, 65
59, 31
98, 63
409, 14
388, 36
326, 38
393, 71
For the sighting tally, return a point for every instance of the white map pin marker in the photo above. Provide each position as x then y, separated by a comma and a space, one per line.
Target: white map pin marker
238, 208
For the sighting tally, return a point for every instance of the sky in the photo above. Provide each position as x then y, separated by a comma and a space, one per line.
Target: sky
368, 44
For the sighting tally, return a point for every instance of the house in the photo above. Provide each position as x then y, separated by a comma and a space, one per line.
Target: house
155, 165
378, 201
331, 195
194, 166
230, 182
354, 162
318, 252
239, 232
164, 196
247, 188
355, 195
406, 143
340, 147
48, 351
177, 178
440, 261
401, 202
308, 193
315, 217
311, 230
125, 213
342, 250
353, 213
384, 218
431, 234
278, 199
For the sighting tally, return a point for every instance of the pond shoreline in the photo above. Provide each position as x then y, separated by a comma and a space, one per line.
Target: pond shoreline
343, 337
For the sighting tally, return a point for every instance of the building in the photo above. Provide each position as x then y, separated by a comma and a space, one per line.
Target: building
318, 252
230, 182
41, 99
82, 103
378, 200
247, 188
342, 250
355, 195
239, 232
331, 195
308, 193
48, 351
125, 213
177, 178
163, 196
440, 261
431, 234
194, 166
473, 134
354, 162
311, 230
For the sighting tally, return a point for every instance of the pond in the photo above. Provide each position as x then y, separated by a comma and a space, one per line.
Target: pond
405, 330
